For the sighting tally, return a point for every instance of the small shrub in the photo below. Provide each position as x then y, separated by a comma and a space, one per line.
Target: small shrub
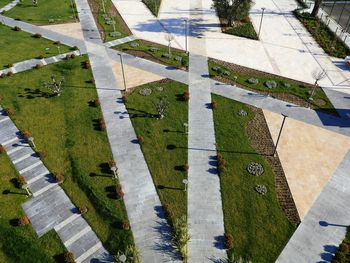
23, 221
185, 167
72, 55
186, 96
181, 236
16, 28
41, 154
38, 66
141, 139
245, 19
178, 58
344, 248
74, 48
126, 224
2, 149
9, 65
154, 49
119, 191
226, 73
134, 45
217, 69
112, 163
253, 81
69, 257
86, 64
96, 102
125, 98
339, 256
59, 178
228, 241
83, 209
9, 111
214, 105
37, 35
57, 43
286, 85
102, 124
271, 84
169, 213
221, 168
166, 55
41, 56
9, 74
21, 181
3, 75
26, 134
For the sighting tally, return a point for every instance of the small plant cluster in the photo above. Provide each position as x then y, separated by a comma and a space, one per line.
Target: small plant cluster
21, 181
37, 35
83, 209
242, 113
185, 167
169, 213
186, 96
125, 224
134, 44
69, 257
214, 105
145, 91
140, 139
181, 236
9, 111
261, 189
26, 134
70, 56
38, 66
58, 177
125, 98
86, 64
220, 71
16, 28
271, 84
23, 221
10, 65
221, 163
253, 81
228, 241
131, 253
154, 49
119, 191
2, 149
343, 253
102, 124
255, 169
96, 102
159, 89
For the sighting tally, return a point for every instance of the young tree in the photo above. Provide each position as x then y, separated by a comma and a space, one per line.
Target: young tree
316, 8
232, 10
317, 75
55, 86
169, 37
161, 106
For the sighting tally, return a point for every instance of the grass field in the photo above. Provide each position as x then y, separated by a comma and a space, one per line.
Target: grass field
66, 131
4, 2
257, 223
243, 30
46, 12
155, 52
153, 5
17, 46
21, 244
164, 161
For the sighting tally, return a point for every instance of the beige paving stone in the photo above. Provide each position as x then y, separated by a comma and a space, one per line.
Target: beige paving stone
134, 77
309, 156
71, 29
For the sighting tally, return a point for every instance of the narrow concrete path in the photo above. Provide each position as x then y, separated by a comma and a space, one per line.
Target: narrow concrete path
50, 207
151, 232
9, 6
205, 214
120, 41
31, 63
324, 226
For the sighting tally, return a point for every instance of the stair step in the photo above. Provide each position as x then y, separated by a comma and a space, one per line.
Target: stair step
22, 158
37, 177
78, 235
70, 219
4, 119
88, 253
30, 167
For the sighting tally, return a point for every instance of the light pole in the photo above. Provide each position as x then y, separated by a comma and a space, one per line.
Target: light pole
121, 62
186, 127
114, 169
186, 30
262, 16
185, 182
31, 142
25, 187
279, 134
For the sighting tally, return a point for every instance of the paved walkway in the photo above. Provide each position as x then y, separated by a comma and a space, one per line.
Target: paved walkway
324, 227
120, 41
31, 63
50, 207
151, 232
205, 214
9, 6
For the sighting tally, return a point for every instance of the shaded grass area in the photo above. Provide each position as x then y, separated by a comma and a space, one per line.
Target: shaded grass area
20, 243
165, 143
243, 30
46, 12
286, 89
66, 131
257, 223
329, 41
153, 6
105, 17
155, 52
17, 46
4, 2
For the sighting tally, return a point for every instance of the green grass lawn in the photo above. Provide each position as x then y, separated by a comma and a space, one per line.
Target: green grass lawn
155, 52
330, 43
46, 12
4, 2
284, 86
164, 162
20, 243
105, 20
65, 130
153, 5
257, 223
17, 46
243, 30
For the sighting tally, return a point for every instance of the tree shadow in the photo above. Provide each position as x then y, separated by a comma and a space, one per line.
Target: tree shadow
134, 113
162, 187
104, 168
35, 93
110, 190
14, 222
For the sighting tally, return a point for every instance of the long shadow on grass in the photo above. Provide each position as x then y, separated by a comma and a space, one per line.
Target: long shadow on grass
161, 187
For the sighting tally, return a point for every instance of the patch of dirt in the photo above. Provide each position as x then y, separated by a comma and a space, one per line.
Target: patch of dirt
260, 137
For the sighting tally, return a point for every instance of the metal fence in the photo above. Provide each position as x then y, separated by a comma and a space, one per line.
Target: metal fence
339, 11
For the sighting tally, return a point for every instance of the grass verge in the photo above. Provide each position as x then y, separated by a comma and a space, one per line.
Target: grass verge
242, 30
329, 41
343, 253
285, 89
256, 222
46, 12
20, 243
67, 132
153, 6
14, 46
105, 19
155, 52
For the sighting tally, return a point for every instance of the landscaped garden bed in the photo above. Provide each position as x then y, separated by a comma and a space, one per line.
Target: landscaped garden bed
257, 225
329, 41
241, 29
107, 15
281, 88
17, 46
153, 6
72, 141
44, 12
20, 243
163, 141
155, 52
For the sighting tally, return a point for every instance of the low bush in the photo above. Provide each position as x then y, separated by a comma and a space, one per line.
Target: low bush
21, 181
9, 111
186, 96
38, 66
69, 257
112, 163
86, 64
2, 149
9, 65
59, 178
253, 81
228, 241
37, 35
102, 124
339, 256
214, 105
9, 74
57, 43
126, 224
96, 102
344, 248
185, 167
41, 56
83, 209
16, 28
119, 191
271, 84
23, 221
125, 98
181, 236
141, 140
26, 134
41, 154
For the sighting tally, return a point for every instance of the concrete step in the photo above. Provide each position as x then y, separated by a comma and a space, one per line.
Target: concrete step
33, 173
30, 167
4, 118
42, 184
15, 147
83, 244
101, 255
27, 162
71, 229
21, 156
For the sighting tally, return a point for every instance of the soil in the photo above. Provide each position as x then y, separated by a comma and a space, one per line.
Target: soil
260, 137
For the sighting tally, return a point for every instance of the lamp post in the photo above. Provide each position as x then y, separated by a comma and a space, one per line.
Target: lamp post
25, 187
122, 258
186, 127
186, 30
31, 142
262, 16
114, 169
121, 62
185, 182
279, 134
